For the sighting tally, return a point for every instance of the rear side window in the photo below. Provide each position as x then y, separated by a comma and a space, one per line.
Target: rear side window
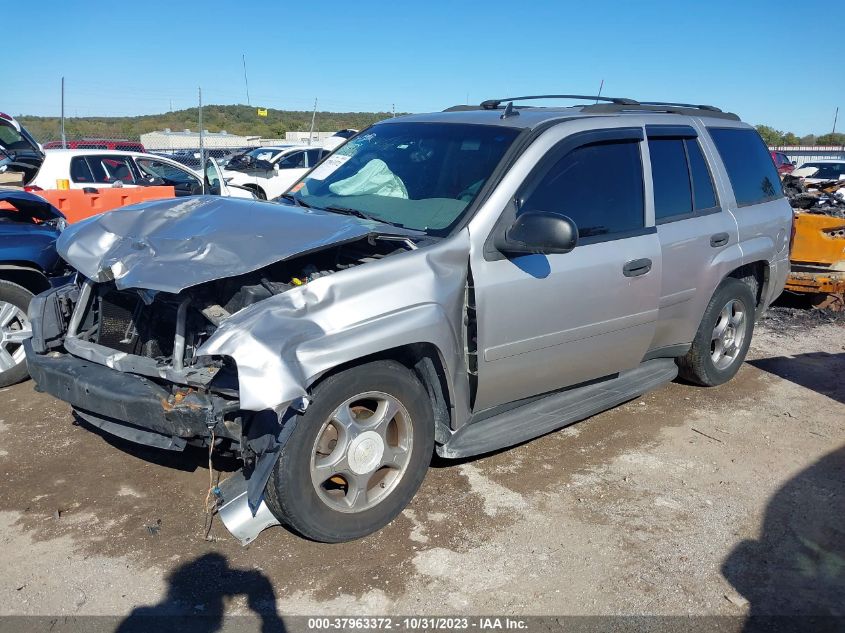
752, 173
79, 170
669, 171
704, 195
599, 186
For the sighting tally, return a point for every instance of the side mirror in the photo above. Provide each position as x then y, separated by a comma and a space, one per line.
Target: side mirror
275, 166
539, 233
794, 163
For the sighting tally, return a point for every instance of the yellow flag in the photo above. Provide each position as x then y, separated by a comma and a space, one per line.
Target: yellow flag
262, 111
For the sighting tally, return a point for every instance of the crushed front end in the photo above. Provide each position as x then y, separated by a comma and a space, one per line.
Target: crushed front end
126, 361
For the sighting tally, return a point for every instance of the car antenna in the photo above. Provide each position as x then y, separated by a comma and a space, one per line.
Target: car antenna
509, 111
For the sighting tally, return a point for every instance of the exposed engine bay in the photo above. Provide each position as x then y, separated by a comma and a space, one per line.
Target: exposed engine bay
169, 328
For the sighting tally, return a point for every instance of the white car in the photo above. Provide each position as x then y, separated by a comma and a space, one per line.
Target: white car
100, 168
821, 171
270, 171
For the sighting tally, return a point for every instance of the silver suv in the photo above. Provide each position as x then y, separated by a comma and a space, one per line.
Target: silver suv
456, 282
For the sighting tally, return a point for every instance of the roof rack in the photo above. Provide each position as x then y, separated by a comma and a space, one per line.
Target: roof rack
658, 106
612, 105
681, 105
492, 104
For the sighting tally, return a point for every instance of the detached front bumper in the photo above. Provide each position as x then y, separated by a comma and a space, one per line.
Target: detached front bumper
130, 406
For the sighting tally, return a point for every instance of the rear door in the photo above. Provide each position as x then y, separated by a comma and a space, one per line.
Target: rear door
698, 238
545, 322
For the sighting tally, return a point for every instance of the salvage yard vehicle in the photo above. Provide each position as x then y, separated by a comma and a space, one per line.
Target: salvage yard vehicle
456, 282
817, 253
84, 168
29, 263
270, 171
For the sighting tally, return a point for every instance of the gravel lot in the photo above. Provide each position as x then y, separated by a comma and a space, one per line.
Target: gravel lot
696, 501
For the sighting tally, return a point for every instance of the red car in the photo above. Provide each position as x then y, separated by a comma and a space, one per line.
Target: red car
96, 143
782, 162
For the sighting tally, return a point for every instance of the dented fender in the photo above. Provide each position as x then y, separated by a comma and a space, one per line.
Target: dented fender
283, 344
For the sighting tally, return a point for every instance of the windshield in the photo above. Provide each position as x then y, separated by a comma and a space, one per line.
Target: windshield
417, 175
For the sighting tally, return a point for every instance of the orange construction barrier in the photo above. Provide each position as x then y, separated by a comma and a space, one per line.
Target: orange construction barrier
78, 205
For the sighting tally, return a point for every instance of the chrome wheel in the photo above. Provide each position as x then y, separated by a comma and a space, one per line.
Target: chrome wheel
361, 452
14, 330
728, 334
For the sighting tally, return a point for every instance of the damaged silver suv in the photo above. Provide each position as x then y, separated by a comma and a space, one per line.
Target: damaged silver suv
456, 282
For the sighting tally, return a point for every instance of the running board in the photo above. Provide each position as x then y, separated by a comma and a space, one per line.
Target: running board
556, 410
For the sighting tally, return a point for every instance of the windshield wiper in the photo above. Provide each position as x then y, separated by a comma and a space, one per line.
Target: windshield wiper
295, 200
350, 211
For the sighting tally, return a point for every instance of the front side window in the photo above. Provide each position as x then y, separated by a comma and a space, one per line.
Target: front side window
421, 176
752, 173
170, 174
599, 186
295, 160
314, 156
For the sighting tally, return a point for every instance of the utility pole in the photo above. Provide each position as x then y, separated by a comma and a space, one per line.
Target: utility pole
313, 117
246, 81
202, 147
835, 116
393, 108
64, 138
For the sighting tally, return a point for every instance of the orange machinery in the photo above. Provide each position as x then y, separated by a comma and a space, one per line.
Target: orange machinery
817, 259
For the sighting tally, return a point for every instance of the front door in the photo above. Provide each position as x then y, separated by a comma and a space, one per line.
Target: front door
546, 322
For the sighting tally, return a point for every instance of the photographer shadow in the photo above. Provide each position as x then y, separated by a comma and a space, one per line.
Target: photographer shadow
195, 600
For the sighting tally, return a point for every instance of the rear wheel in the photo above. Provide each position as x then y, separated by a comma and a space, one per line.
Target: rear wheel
14, 330
723, 337
357, 456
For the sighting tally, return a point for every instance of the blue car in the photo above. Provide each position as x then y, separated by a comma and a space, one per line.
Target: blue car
29, 264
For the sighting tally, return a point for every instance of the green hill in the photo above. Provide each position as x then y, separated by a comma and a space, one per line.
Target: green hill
235, 119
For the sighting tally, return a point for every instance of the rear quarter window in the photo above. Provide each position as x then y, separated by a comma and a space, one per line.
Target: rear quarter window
749, 164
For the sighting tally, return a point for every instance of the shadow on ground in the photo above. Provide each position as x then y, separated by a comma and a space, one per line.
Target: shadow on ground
820, 371
196, 595
797, 566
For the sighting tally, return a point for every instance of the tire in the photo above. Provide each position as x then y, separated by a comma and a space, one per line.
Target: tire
733, 307
14, 301
330, 483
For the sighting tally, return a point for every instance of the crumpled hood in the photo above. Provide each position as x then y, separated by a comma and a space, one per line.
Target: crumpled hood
170, 245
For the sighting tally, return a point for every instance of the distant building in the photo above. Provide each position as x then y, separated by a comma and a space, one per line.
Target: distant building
185, 139
302, 137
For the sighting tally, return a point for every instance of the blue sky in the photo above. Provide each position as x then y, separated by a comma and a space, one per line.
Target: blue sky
135, 58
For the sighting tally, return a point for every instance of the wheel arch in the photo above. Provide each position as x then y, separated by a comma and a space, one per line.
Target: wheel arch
757, 276
26, 275
426, 361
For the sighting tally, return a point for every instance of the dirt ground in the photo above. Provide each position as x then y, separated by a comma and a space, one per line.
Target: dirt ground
687, 501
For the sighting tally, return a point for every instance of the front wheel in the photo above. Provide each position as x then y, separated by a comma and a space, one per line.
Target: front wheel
357, 455
723, 337
14, 330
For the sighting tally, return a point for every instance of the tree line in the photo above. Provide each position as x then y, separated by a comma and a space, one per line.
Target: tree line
775, 138
241, 120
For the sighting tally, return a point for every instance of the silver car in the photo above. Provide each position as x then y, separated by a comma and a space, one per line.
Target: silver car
456, 282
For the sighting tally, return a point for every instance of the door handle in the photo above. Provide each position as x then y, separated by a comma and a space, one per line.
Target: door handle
719, 239
636, 267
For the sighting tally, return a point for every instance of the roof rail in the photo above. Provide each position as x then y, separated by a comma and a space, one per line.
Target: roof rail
682, 105
657, 106
492, 104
